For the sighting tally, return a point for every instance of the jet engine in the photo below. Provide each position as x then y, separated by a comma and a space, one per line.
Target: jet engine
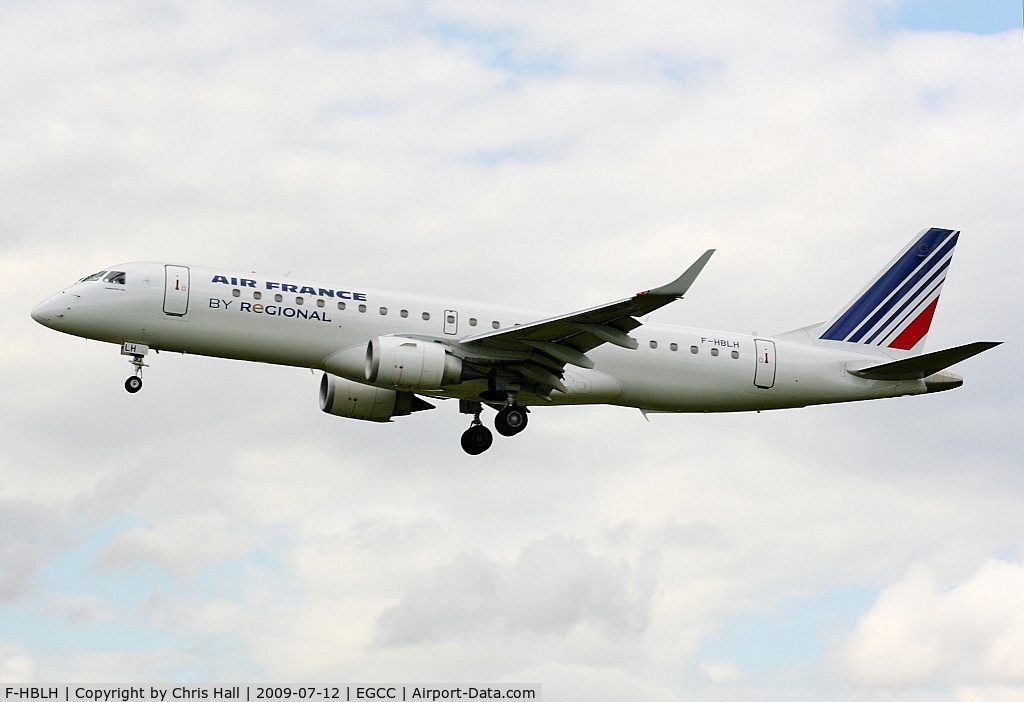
410, 364
346, 398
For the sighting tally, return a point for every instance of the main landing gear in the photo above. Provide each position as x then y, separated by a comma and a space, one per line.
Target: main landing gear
137, 353
511, 420
477, 438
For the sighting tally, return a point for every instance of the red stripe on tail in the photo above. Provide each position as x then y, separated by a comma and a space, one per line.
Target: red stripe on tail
909, 337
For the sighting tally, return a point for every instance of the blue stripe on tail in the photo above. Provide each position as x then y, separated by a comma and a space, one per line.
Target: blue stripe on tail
922, 271
930, 287
906, 271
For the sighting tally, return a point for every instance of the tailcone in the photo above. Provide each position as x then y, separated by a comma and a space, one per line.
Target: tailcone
943, 380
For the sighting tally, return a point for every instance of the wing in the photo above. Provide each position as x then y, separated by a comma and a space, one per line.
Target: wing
540, 350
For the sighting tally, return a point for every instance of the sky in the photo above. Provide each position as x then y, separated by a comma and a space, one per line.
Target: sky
218, 527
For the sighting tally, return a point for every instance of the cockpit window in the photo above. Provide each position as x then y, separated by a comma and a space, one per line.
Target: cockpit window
94, 276
115, 277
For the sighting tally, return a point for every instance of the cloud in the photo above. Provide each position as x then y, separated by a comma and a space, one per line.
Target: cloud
79, 609
115, 667
28, 532
18, 563
182, 546
921, 634
553, 586
595, 683
990, 693
16, 665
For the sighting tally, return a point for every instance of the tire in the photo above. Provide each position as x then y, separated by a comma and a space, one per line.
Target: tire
133, 384
476, 439
511, 420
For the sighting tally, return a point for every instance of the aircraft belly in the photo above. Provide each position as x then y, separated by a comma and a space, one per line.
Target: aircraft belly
586, 387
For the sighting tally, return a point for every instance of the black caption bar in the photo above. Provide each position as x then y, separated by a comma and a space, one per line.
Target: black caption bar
258, 693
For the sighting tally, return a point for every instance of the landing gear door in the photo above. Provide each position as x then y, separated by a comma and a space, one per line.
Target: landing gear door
451, 322
764, 371
176, 290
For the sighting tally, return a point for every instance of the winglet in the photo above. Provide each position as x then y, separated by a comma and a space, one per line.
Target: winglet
678, 287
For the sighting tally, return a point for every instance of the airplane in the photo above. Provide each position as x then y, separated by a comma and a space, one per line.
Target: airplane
383, 354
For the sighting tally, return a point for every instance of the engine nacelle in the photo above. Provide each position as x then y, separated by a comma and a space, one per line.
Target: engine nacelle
347, 398
410, 364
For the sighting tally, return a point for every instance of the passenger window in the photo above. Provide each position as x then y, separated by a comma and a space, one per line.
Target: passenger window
257, 295
735, 354
320, 302
673, 346
404, 313
115, 277
341, 305
426, 316
450, 319
278, 298
472, 321
299, 301
714, 352
693, 349
495, 325
383, 310
654, 344
362, 308
236, 293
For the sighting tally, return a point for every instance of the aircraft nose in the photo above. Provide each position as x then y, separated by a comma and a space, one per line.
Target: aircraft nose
51, 311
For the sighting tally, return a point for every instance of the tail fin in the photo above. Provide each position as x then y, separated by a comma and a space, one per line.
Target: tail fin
894, 311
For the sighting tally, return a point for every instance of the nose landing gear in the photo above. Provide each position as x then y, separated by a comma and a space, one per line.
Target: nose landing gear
137, 353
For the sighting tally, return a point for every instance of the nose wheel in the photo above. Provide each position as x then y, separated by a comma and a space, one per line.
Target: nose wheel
138, 353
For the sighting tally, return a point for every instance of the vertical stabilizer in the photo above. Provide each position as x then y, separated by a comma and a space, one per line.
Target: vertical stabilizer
895, 309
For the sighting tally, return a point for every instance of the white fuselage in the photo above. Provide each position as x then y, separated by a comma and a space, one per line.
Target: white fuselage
218, 313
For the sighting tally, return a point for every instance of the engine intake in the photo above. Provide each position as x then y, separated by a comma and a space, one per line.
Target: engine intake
410, 364
346, 398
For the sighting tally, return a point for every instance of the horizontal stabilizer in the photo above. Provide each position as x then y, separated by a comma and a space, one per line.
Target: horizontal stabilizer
924, 365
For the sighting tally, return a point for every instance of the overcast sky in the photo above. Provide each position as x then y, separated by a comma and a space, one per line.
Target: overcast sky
556, 155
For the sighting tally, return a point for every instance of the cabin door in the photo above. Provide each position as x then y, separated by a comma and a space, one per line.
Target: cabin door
451, 322
176, 290
764, 371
